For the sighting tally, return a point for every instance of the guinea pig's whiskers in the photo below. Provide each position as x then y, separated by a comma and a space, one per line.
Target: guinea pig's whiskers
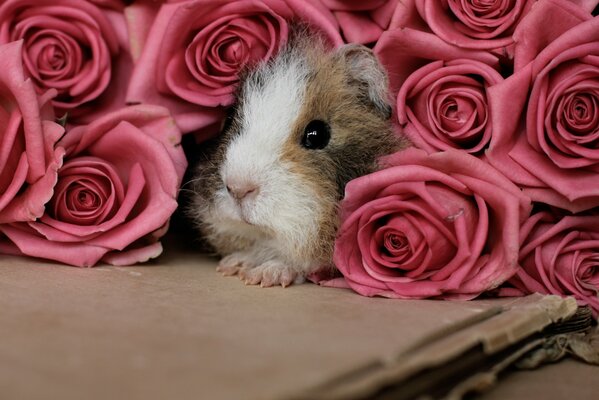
190, 182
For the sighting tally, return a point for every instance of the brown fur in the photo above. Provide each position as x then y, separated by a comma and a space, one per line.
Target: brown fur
359, 135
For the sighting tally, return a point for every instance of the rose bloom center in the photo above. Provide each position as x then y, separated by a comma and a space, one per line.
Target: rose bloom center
581, 113
53, 56
83, 199
233, 52
482, 9
396, 244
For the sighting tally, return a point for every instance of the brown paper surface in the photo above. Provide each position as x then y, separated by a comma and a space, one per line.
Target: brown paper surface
175, 329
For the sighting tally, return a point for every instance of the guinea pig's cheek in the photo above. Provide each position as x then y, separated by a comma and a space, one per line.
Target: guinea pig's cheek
291, 207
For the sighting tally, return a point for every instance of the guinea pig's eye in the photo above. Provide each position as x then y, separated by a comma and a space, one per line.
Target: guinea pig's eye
316, 135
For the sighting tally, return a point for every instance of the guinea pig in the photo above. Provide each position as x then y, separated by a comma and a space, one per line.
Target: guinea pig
305, 123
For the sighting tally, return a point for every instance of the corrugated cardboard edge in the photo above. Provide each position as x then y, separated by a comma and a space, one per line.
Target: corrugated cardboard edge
494, 330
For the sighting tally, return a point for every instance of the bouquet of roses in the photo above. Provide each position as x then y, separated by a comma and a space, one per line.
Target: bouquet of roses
500, 99
503, 101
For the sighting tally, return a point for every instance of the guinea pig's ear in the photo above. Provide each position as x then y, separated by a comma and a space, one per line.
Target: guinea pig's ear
364, 68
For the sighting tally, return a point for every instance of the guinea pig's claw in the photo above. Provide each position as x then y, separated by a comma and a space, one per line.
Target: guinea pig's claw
227, 270
287, 278
266, 283
253, 280
244, 275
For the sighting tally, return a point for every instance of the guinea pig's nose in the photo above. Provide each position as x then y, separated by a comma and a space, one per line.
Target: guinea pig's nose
240, 191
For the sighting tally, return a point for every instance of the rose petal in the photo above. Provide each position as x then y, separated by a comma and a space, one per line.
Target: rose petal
134, 256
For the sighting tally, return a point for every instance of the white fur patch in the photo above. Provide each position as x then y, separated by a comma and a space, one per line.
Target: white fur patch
284, 208
267, 115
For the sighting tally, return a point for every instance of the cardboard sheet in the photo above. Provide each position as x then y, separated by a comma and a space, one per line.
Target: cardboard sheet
175, 329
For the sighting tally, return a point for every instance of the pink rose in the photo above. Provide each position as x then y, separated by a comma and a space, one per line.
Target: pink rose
440, 225
196, 49
483, 25
403, 51
74, 47
362, 21
28, 135
475, 25
444, 105
115, 193
546, 128
559, 256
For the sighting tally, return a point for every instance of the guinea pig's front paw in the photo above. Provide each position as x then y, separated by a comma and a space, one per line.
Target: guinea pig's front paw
271, 273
